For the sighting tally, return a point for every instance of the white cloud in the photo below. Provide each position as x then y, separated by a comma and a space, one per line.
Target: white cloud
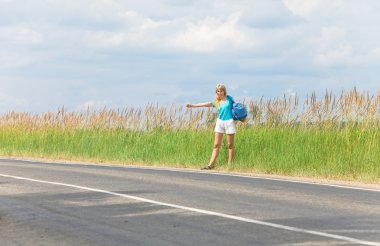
376, 52
290, 92
334, 48
211, 34
302, 8
94, 105
207, 35
20, 35
326, 11
137, 31
137, 21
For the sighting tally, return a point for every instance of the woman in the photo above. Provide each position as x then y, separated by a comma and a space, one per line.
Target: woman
224, 124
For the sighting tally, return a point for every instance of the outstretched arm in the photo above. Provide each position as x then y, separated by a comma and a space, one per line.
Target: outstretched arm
197, 105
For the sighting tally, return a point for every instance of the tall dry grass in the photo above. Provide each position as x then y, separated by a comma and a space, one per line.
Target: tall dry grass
349, 109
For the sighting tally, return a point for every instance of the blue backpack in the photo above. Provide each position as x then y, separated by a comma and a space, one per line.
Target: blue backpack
239, 111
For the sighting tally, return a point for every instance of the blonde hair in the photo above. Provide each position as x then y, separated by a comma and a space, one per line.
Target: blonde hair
217, 99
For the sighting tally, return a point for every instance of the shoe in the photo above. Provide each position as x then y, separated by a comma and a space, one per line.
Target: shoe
209, 167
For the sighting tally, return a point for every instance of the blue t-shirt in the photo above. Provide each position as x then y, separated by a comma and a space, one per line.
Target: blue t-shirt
225, 109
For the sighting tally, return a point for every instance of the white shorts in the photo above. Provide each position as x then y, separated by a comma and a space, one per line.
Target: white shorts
225, 126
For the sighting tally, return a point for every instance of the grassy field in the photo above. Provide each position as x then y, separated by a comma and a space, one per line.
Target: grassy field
334, 137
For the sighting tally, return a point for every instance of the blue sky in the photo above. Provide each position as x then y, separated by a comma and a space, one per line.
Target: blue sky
122, 53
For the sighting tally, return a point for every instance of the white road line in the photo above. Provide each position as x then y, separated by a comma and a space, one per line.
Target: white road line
289, 180
202, 211
303, 182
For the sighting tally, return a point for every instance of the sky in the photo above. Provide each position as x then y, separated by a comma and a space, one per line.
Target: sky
83, 54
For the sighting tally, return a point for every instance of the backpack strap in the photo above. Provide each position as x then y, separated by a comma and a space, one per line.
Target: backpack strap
230, 99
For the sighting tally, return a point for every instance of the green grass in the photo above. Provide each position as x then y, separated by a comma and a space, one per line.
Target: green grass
350, 153
326, 153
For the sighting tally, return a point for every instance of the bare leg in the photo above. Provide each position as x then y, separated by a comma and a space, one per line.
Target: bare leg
230, 143
215, 151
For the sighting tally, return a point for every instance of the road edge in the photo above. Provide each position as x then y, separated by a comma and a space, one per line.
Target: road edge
306, 180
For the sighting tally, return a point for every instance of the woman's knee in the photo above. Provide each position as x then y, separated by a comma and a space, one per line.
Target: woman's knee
217, 146
230, 146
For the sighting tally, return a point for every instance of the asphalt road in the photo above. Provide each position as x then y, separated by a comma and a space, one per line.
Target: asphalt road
76, 204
